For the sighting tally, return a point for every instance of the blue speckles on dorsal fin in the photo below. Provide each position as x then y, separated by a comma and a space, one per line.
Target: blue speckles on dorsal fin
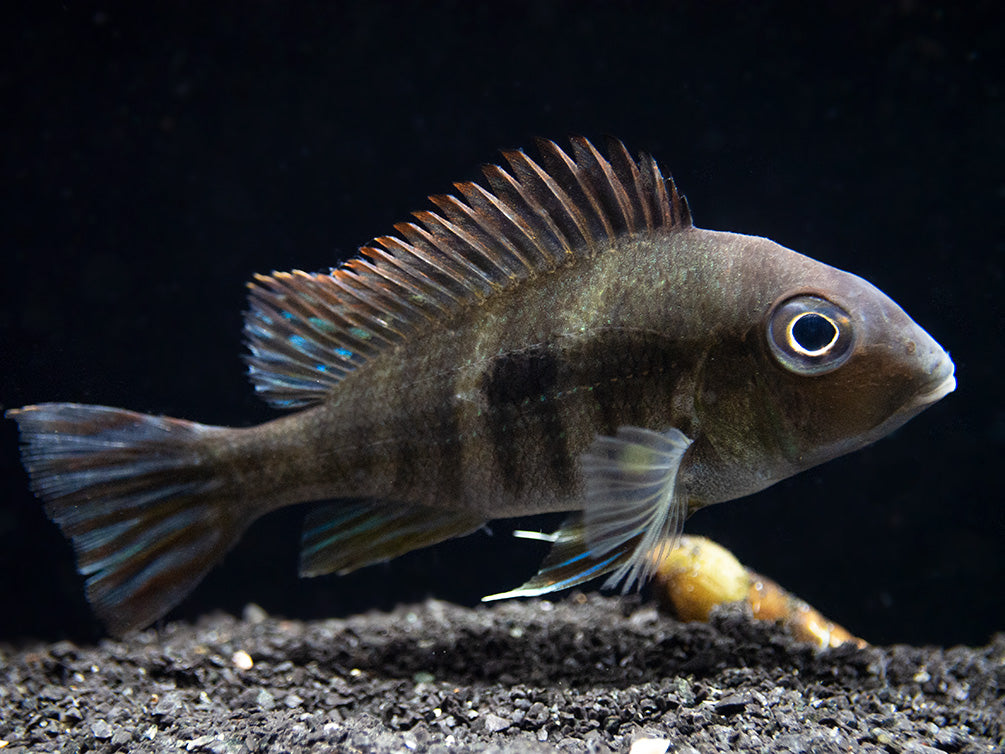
306, 331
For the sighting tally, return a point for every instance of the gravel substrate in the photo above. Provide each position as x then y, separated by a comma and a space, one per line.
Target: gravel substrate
588, 673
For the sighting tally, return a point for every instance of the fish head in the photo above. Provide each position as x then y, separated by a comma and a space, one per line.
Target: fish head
847, 366
826, 364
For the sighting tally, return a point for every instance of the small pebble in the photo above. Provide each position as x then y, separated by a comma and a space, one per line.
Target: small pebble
121, 737
198, 743
732, 704
168, 703
881, 736
101, 729
242, 659
254, 614
494, 723
650, 746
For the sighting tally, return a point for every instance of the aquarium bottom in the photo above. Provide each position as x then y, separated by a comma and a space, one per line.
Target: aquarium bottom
585, 673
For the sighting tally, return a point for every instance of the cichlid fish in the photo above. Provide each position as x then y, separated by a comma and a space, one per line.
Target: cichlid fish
563, 339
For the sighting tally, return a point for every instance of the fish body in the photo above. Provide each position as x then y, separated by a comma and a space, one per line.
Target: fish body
565, 340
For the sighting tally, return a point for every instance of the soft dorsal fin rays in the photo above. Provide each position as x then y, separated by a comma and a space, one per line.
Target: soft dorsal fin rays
307, 331
633, 514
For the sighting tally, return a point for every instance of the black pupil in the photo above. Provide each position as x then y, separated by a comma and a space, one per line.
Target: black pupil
813, 332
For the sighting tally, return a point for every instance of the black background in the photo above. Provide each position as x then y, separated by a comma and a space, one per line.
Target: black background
156, 155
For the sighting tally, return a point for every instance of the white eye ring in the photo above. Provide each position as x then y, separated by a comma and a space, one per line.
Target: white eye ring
798, 347
804, 346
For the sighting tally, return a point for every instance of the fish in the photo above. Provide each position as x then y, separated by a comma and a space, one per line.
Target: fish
562, 338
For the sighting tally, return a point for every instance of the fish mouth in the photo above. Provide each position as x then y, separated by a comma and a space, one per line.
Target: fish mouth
941, 382
944, 379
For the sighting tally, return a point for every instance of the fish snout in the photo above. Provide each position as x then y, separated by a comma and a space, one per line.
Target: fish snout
939, 372
941, 383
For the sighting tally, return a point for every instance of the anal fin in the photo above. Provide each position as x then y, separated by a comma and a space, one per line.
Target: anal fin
569, 563
342, 537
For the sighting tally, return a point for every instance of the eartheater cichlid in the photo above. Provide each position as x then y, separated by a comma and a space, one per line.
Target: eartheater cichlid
562, 340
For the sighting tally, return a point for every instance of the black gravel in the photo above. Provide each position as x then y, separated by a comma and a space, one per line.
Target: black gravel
588, 673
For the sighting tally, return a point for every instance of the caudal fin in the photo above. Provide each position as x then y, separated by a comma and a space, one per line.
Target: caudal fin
139, 498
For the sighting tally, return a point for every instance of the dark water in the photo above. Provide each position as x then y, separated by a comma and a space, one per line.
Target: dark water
154, 159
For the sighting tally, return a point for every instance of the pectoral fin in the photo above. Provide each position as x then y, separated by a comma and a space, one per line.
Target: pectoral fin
632, 500
633, 513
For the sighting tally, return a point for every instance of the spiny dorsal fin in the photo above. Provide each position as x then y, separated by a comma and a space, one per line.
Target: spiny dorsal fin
306, 331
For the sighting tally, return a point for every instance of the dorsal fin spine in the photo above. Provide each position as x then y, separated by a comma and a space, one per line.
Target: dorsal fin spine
376, 280
444, 233
568, 231
438, 266
573, 199
599, 227
495, 266
534, 192
466, 226
488, 209
628, 175
505, 185
420, 292
656, 185
609, 188
410, 260
549, 241
308, 331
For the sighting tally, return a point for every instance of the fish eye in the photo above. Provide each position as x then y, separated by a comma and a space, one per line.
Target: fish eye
810, 335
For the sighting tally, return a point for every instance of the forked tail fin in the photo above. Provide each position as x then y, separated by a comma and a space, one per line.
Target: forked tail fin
139, 497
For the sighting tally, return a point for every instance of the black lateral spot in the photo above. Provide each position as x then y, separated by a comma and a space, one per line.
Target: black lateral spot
520, 390
521, 375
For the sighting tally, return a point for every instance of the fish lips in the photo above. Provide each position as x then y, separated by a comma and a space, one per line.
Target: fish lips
940, 383
944, 381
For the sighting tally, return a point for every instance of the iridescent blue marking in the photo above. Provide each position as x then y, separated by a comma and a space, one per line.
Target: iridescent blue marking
322, 324
299, 341
287, 315
344, 353
573, 559
582, 576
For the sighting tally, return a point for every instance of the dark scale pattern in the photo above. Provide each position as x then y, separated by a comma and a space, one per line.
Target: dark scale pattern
538, 400
520, 392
